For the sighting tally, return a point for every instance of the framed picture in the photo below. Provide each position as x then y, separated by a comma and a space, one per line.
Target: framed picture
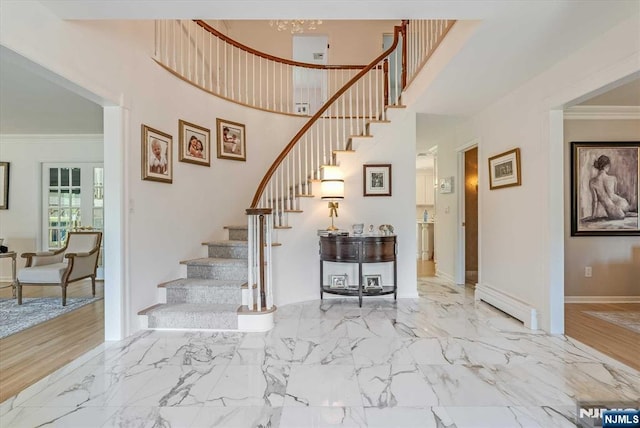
302, 108
504, 169
446, 185
157, 160
372, 282
338, 281
195, 144
4, 185
377, 180
231, 140
604, 188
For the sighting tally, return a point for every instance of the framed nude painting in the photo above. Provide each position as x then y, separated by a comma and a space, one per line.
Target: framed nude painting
604, 188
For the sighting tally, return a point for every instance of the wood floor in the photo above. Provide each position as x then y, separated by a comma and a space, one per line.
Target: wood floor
34, 353
617, 342
426, 268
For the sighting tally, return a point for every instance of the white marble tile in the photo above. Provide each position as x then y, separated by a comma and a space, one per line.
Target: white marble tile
152, 417
179, 386
506, 417
469, 351
237, 417
322, 327
442, 360
93, 386
402, 417
323, 385
258, 349
250, 386
326, 351
459, 385
559, 384
322, 417
380, 350
370, 327
58, 416
394, 385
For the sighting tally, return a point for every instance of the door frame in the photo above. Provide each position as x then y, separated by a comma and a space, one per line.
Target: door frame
461, 236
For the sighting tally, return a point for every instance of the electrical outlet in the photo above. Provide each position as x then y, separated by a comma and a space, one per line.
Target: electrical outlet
587, 271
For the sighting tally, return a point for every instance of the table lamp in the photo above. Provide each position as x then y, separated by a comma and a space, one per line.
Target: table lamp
332, 189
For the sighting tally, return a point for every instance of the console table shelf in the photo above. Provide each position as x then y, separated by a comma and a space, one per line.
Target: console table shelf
359, 249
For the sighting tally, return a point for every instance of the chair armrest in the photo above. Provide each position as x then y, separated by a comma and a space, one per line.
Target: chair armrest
42, 258
71, 255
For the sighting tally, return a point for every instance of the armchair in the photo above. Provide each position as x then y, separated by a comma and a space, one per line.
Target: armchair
77, 260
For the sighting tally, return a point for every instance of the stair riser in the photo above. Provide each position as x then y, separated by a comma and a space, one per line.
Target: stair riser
226, 272
228, 252
238, 235
205, 295
222, 321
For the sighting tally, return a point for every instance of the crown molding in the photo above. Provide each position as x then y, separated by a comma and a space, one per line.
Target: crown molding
51, 138
602, 113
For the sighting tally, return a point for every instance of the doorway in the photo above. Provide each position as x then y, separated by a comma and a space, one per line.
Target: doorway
471, 216
310, 85
72, 200
468, 241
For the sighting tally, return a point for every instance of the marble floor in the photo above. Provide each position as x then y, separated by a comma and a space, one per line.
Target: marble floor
442, 360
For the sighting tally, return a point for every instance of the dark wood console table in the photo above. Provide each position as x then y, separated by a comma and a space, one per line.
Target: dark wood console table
359, 249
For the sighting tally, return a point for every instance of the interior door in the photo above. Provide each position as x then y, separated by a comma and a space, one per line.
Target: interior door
310, 84
72, 200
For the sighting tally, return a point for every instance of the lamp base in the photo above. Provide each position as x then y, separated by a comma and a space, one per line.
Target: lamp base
332, 228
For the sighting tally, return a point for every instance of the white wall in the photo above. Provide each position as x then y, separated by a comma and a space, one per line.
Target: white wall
20, 224
297, 267
167, 222
516, 242
615, 272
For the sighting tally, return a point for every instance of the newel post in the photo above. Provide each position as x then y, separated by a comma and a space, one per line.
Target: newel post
259, 257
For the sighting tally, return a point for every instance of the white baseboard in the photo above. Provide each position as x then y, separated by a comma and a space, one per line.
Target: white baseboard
446, 276
602, 299
255, 322
509, 304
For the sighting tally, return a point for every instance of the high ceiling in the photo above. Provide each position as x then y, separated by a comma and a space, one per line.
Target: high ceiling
515, 41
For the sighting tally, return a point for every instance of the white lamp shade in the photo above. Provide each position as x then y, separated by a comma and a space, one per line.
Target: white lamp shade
331, 172
332, 190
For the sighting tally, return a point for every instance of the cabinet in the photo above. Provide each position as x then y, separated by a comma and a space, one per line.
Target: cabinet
358, 250
425, 192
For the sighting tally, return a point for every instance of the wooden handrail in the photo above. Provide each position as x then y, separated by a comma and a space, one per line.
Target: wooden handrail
398, 29
246, 48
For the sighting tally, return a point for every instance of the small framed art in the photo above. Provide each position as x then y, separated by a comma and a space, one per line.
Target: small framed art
232, 142
338, 281
372, 282
157, 160
504, 169
377, 180
195, 144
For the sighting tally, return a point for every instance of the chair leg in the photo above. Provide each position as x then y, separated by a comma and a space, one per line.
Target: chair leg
64, 295
93, 285
19, 291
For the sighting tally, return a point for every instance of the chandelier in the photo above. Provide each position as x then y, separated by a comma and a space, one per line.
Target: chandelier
295, 25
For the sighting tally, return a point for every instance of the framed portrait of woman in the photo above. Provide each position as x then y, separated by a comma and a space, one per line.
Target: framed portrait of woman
604, 188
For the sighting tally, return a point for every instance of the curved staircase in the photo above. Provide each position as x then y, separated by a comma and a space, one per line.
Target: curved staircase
232, 287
